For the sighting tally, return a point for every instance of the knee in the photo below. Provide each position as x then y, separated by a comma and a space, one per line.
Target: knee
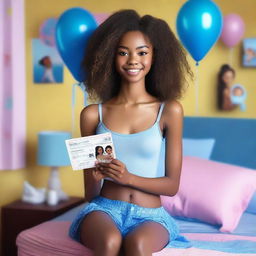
111, 242
136, 244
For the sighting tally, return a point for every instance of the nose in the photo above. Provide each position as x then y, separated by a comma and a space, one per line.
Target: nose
132, 60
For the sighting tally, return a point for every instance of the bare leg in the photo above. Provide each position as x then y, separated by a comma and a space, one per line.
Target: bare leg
122, 252
99, 233
145, 239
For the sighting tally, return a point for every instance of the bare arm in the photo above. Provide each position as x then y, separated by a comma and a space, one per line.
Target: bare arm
227, 104
88, 124
168, 185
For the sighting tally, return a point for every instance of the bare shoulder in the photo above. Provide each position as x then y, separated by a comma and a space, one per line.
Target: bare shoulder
226, 91
89, 112
89, 119
173, 114
173, 108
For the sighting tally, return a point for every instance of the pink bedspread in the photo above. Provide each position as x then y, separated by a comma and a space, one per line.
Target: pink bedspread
51, 238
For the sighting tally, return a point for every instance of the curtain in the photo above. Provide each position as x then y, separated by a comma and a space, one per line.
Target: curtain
12, 85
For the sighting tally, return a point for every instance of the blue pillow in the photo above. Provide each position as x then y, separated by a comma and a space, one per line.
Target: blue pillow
252, 205
198, 147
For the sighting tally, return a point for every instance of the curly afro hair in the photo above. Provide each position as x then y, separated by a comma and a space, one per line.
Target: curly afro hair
167, 75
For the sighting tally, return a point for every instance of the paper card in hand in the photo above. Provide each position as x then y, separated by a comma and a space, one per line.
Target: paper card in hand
84, 151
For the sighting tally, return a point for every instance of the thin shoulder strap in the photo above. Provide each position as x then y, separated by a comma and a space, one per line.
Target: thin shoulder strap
100, 111
160, 112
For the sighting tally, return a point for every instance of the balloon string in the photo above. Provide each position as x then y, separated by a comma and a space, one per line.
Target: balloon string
197, 90
73, 110
82, 86
73, 104
231, 56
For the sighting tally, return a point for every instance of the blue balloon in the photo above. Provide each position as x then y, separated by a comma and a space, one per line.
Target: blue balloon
73, 30
199, 25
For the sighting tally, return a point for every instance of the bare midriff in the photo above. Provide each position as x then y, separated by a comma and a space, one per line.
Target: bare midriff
117, 191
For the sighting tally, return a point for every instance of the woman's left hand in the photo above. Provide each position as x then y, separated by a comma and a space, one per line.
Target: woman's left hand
115, 170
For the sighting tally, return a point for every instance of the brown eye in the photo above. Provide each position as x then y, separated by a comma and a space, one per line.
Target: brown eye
143, 53
122, 53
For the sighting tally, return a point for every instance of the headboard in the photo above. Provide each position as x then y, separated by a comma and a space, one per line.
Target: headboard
235, 138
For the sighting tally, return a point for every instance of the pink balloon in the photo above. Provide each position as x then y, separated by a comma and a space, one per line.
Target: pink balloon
100, 17
233, 29
47, 31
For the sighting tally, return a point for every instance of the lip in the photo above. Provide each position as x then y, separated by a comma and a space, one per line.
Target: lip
132, 71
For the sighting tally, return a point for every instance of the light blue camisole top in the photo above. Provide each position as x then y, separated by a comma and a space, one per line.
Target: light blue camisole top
143, 152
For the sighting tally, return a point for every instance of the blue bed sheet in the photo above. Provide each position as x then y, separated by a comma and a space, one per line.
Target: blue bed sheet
245, 227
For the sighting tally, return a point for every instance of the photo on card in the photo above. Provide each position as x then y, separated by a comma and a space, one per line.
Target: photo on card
85, 151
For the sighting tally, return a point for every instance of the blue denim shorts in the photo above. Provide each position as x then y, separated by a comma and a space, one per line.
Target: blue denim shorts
127, 216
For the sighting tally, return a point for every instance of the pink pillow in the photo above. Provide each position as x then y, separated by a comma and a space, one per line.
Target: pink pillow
213, 192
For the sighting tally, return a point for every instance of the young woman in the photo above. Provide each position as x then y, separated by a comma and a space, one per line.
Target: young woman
48, 76
226, 78
136, 67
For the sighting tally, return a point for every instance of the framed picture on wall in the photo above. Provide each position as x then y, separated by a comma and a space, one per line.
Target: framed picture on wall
249, 52
47, 64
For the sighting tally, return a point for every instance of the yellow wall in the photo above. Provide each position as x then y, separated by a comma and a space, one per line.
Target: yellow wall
49, 106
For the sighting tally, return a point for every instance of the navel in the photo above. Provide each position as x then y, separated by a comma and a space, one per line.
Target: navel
131, 198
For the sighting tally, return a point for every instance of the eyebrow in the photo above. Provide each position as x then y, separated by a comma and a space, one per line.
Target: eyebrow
139, 47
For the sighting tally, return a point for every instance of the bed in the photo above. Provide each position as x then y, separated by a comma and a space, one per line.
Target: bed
232, 157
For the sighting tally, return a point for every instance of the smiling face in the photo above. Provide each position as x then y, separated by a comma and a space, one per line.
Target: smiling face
99, 151
109, 150
134, 56
238, 91
228, 77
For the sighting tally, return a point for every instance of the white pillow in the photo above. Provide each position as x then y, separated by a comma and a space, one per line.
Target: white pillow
198, 147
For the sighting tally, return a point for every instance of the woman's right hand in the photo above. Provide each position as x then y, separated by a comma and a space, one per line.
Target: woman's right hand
97, 174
